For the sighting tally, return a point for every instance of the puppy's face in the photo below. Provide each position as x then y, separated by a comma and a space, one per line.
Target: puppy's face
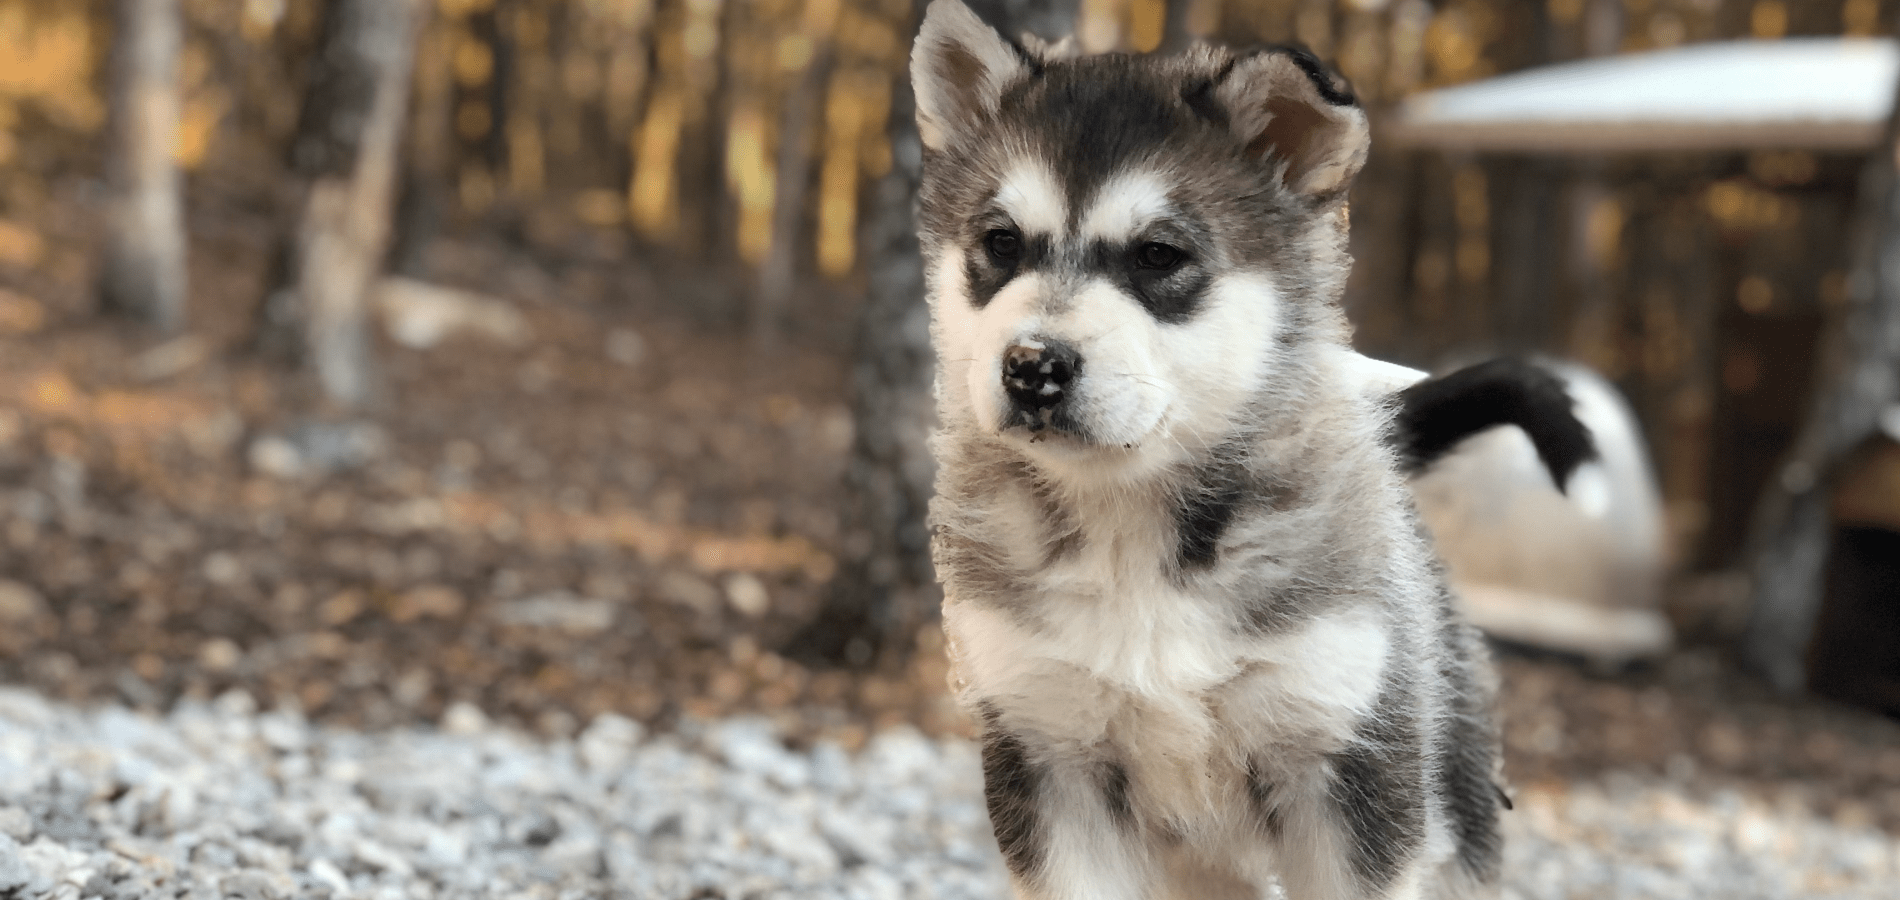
1121, 248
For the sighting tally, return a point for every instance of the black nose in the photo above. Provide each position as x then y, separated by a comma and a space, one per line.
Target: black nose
1038, 377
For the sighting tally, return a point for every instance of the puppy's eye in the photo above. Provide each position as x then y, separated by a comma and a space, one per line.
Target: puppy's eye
1160, 257
1004, 246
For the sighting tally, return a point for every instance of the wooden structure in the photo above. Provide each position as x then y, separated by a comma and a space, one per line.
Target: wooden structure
1808, 95
1811, 93
1855, 653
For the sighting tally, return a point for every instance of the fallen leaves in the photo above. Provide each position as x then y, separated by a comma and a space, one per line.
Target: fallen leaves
20, 315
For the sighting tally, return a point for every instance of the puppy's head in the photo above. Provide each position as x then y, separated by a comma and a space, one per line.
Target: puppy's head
1126, 252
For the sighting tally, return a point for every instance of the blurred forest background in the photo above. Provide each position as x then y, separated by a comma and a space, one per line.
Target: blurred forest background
552, 355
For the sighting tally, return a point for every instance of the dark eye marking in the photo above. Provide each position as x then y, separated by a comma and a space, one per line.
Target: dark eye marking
1004, 253
1158, 257
1005, 247
1168, 280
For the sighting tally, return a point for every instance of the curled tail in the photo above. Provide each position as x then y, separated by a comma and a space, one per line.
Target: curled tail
1434, 415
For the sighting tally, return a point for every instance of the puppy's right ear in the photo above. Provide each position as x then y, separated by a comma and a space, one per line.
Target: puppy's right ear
960, 68
1292, 112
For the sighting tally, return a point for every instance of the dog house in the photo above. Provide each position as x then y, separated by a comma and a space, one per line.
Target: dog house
1854, 654
1808, 97
1798, 93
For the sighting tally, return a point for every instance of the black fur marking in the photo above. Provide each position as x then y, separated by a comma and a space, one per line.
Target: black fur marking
1012, 786
1289, 606
1260, 792
1379, 789
1059, 418
1101, 117
1207, 508
1436, 414
1198, 94
1467, 752
1114, 782
1171, 296
1332, 88
987, 274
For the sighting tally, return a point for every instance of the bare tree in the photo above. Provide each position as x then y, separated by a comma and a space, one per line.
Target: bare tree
144, 268
346, 146
799, 123
1858, 378
886, 589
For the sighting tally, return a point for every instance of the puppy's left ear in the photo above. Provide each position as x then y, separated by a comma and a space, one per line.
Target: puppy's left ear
1290, 110
960, 68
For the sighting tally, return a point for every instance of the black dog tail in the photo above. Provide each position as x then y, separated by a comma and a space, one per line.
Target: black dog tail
1434, 415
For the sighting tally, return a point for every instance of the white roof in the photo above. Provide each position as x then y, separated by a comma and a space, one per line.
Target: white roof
1814, 93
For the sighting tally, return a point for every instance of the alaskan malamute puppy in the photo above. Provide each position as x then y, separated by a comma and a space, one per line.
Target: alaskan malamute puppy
1185, 591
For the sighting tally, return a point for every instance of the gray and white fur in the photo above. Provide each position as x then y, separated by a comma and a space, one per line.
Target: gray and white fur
1186, 594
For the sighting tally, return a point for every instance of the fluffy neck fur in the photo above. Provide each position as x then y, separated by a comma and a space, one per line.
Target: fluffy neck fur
1298, 500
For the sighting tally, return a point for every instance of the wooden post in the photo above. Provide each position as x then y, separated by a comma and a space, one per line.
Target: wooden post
1857, 378
144, 267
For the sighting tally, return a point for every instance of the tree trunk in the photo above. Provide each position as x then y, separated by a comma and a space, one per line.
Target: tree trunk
1858, 378
144, 268
804, 114
347, 142
1187, 22
885, 589
429, 164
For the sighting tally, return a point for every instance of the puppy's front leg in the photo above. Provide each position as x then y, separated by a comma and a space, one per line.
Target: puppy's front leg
1064, 825
1354, 828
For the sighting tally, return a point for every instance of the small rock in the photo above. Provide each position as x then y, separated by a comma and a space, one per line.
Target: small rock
377, 856
626, 347
559, 611
236, 703
219, 655
420, 315
50, 860
276, 457
691, 591
284, 732
20, 604
464, 718
17, 879
317, 448
326, 872
608, 742
223, 568
174, 357
432, 601
752, 746
574, 855
747, 594
15, 824
256, 884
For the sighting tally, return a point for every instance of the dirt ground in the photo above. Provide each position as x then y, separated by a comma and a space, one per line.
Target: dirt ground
625, 509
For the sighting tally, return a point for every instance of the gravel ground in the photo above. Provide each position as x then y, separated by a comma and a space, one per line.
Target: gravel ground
220, 800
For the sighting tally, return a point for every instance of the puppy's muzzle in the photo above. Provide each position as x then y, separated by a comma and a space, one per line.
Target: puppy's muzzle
1038, 380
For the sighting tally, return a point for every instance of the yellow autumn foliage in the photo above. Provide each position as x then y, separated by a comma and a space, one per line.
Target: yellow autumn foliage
51, 54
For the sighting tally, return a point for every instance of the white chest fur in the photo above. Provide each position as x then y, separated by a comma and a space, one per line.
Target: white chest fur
1117, 661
